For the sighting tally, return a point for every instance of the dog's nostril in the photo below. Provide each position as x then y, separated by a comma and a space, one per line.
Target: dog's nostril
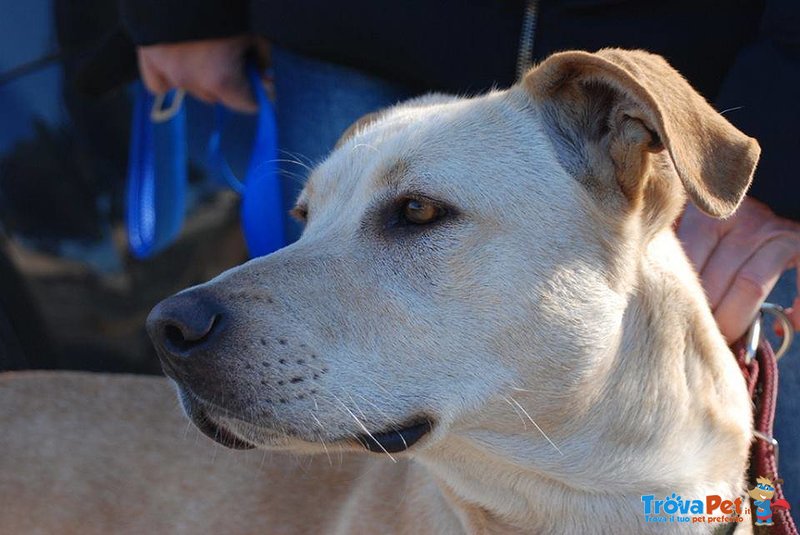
182, 339
185, 323
175, 337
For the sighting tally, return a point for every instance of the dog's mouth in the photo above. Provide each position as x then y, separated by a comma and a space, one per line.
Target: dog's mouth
210, 428
396, 440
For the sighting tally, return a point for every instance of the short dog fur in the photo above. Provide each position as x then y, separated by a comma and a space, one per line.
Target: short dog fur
545, 322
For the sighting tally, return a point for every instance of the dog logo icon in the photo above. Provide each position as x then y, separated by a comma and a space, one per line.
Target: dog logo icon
762, 495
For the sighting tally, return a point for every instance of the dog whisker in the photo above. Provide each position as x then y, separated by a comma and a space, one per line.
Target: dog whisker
325, 447
216, 447
296, 162
321, 439
314, 416
536, 425
382, 413
389, 394
298, 178
405, 444
296, 157
188, 428
516, 411
263, 460
735, 108
357, 407
294, 177
301, 463
359, 145
363, 427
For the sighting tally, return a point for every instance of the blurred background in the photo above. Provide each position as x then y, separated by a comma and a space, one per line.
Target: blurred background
71, 294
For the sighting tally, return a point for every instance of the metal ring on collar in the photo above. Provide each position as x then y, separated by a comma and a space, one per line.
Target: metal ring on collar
769, 440
779, 314
754, 334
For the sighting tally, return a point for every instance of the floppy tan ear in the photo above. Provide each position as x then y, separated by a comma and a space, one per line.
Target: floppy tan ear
630, 103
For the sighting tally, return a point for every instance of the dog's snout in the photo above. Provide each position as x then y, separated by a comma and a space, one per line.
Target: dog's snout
184, 323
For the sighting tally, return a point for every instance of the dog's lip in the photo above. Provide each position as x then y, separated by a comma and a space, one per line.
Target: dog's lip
220, 434
396, 440
213, 430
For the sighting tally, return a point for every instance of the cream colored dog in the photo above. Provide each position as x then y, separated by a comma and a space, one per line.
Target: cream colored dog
488, 296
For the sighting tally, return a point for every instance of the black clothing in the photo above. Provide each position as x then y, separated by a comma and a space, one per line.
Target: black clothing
743, 55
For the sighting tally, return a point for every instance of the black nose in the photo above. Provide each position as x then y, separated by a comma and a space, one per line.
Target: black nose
184, 323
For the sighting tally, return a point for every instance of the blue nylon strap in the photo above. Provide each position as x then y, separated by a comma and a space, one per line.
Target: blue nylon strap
262, 206
157, 177
157, 173
218, 165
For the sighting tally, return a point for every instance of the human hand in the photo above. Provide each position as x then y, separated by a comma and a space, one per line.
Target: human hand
211, 70
740, 259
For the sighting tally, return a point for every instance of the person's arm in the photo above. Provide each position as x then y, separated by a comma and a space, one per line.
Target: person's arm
151, 22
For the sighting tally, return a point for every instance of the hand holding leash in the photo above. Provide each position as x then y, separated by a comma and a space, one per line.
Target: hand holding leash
157, 172
739, 260
211, 70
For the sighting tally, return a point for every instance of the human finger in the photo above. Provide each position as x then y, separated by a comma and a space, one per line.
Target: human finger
699, 235
752, 283
154, 80
732, 252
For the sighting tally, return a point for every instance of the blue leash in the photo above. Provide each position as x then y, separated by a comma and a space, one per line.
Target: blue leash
157, 176
262, 207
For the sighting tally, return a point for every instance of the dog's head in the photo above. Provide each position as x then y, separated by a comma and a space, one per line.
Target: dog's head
458, 254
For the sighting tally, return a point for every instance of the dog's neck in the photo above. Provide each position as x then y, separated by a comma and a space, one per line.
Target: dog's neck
665, 414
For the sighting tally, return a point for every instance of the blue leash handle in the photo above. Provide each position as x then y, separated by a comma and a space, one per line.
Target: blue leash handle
262, 206
157, 176
221, 170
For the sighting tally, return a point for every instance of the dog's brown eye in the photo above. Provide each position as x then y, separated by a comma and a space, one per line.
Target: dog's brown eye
421, 212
